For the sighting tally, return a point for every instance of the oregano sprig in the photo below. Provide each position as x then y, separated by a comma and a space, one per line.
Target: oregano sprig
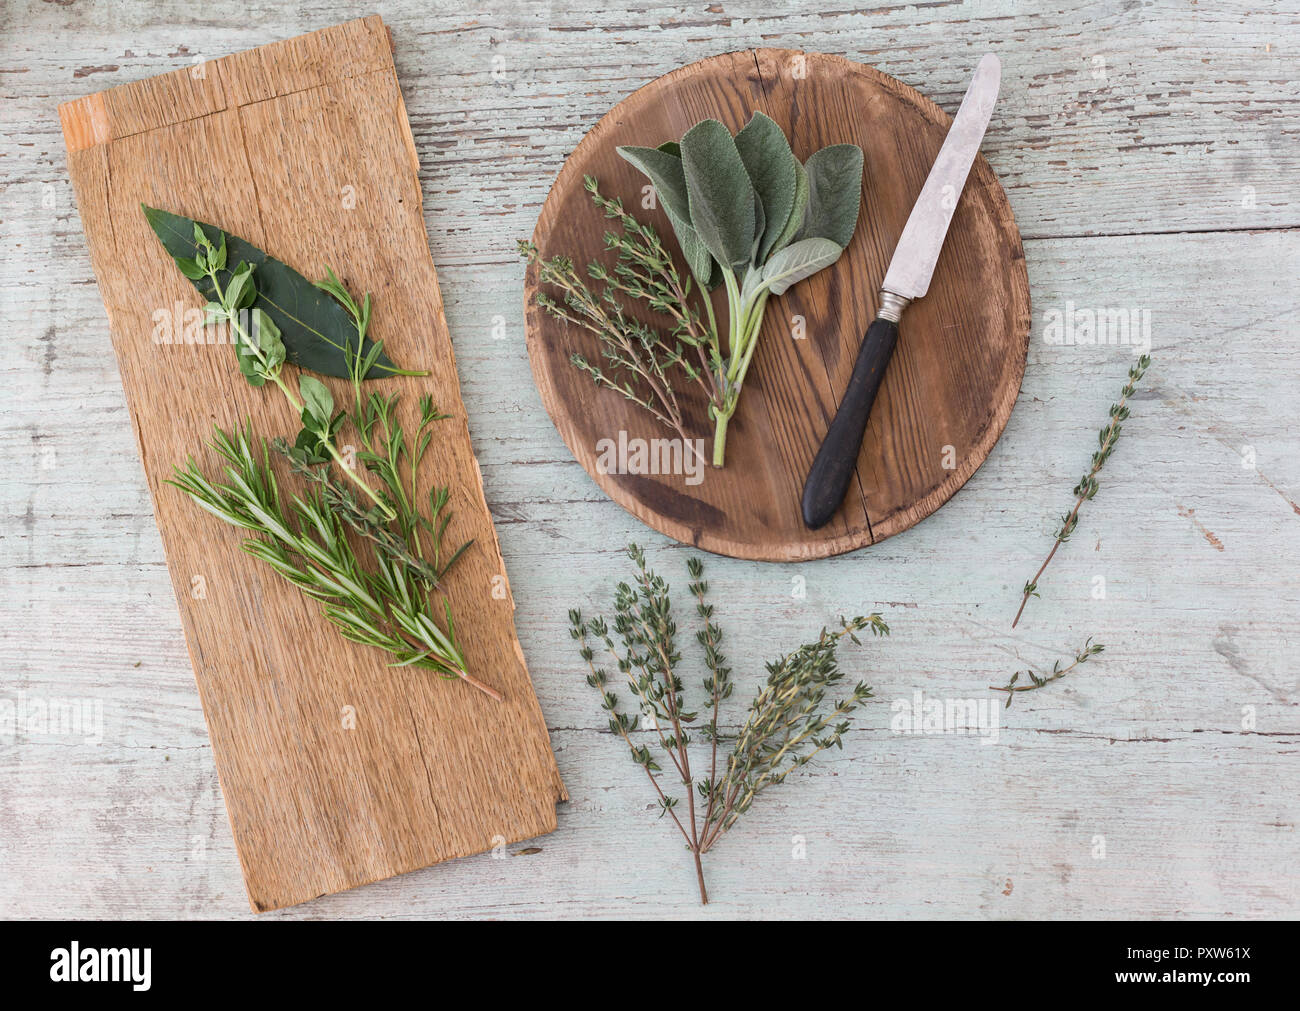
261, 353
789, 721
1087, 487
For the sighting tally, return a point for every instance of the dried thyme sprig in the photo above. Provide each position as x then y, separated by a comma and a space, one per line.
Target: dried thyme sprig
788, 721
638, 359
1090, 649
1088, 484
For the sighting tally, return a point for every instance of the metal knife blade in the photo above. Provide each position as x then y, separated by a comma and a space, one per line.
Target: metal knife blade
908, 277
918, 248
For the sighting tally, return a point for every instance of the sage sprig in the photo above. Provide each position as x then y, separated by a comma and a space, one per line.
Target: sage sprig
1036, 680
789, 721
748, 216
765, 222
1088, 485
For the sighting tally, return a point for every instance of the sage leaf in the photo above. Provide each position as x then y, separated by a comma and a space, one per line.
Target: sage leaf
834, 193
663, 167
797, 211
798, 261
314, 327
664, 170
770, 165
720, 193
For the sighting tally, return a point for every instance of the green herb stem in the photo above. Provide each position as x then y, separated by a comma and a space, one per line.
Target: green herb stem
1037, 681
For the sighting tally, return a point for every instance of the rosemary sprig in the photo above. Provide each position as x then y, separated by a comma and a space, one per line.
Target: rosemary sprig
1090, 649
385, 606
1088, 484
789, 721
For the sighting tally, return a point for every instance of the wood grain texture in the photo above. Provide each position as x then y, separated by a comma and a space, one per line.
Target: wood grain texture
337, 770
954, 377
1160, 179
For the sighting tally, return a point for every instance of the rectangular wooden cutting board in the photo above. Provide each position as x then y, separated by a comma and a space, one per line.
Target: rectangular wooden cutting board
337, 770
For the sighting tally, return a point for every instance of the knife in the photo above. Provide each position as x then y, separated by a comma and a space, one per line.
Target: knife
908, 278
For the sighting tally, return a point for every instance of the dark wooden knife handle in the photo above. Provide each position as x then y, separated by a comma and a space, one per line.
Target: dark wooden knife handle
831, 472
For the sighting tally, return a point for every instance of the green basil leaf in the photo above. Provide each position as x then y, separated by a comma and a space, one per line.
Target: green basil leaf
834, 193
317, 403
249, 365
316, 330
241, 280
309, 448
720, 193
797, 261
189, 266
771, 167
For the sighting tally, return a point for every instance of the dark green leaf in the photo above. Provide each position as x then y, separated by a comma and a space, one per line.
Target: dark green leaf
315, 328
189, 266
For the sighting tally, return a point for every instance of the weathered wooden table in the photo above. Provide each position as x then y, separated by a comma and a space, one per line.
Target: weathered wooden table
1150, 151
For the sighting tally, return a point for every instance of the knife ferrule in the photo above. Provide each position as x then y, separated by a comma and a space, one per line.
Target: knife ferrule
891, 305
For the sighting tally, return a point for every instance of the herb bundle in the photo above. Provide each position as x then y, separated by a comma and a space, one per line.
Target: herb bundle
788, 723
1087, 487
748, 216
388, 601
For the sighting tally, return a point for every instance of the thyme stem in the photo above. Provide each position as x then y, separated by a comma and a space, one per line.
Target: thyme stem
1088, 484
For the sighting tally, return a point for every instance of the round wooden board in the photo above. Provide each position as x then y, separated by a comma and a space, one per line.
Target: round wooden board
961, 352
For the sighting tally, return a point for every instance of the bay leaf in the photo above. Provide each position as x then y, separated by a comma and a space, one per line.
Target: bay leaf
315, 329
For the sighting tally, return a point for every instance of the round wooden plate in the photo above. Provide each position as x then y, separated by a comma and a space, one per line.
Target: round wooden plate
961, 352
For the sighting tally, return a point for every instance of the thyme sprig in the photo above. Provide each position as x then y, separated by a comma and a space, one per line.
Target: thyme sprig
1087, 487
637, 360
1090, 649
788, 723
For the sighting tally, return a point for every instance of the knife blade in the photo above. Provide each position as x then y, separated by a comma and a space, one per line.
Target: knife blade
907, 278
